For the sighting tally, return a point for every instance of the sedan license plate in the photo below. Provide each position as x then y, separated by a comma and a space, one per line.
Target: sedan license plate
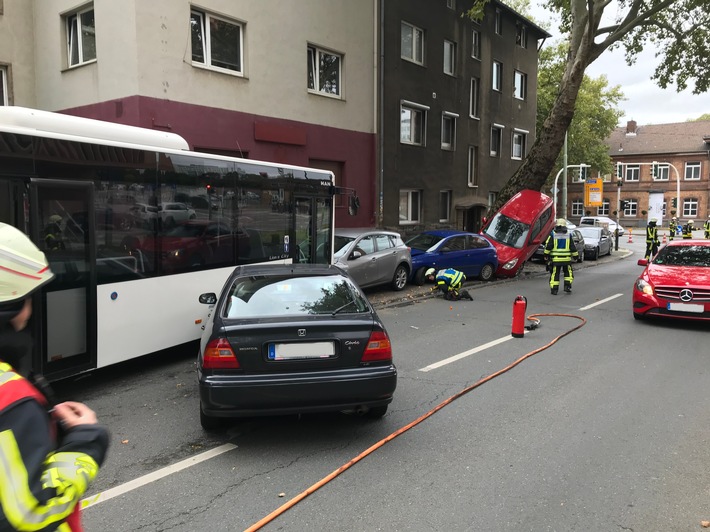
686, 307
301, 350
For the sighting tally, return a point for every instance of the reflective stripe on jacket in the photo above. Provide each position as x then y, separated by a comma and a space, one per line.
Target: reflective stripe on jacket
651, 234
450, 278
560, 248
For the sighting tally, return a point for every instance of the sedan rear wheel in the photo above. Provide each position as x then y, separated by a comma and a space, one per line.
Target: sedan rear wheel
596, 254
399, 281
487, 272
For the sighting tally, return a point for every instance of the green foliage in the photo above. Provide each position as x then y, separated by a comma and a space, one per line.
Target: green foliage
702, 117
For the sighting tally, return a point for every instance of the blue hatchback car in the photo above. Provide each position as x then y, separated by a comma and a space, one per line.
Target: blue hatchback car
466, 252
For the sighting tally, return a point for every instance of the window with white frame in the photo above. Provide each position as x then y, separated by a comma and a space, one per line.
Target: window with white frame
519, 144
492, 197
633, 172
577, 208
412, 123
444, 205
4, 96
520, 88
476, 44
497, 75
217, 42
692, 170
496, 139
324, 71
472, 166
448, 130
521, 36
499, 22
449, 58
663, 172
409, 206
81, 36
690, 208
412, 43
473, 99
631, 207
603, 210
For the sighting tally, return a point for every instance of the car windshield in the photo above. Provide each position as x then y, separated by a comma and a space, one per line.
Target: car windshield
341, 244
507, 231
590, 232
423, 241
684, 256
270, 295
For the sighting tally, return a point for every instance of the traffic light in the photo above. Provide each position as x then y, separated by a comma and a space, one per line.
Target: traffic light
674, 203
619, 170
582, 173
655, 170
622, 205
209, 189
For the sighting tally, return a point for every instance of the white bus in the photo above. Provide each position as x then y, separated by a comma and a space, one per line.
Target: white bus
135, 226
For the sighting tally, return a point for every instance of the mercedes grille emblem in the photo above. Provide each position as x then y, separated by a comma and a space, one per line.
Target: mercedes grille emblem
686, 295
302, 332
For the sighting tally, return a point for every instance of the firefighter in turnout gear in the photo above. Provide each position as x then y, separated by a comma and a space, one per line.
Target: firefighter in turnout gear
651, 239
49, 452
559, 252
688, 230
449, 281
672, 228
706, 226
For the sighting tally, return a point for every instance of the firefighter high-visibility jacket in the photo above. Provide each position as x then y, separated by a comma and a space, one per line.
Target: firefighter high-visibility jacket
687, 231
449, 280
651, 234
560, 248
41, 479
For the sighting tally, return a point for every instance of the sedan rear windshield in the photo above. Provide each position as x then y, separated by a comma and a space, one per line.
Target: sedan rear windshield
423, 241
260, 296
684, 256
507, 231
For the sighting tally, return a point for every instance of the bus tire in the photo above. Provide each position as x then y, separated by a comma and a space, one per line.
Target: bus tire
399, 281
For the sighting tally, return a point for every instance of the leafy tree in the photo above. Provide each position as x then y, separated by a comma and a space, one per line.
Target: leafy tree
678, 29
705, 116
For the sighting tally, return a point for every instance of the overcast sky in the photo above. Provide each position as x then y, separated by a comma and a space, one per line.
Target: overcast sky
646, 103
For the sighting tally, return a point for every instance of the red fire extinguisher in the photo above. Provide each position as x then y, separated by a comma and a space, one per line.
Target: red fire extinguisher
520, 305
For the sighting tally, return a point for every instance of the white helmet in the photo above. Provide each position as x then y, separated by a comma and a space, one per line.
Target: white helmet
430, 271
23, 267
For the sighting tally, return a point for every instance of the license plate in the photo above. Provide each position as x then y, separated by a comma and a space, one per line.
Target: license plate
301, 350
687, 307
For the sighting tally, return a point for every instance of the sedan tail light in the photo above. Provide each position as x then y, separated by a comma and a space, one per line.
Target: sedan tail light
378, 348
219, 355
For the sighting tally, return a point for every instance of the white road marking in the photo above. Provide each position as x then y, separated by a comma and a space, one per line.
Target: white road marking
155, 475
601, 301
473, 351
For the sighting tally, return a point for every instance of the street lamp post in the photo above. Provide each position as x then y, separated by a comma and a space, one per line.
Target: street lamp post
619, 184
554, 187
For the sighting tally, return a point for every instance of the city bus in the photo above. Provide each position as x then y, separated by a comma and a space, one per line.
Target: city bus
135, 226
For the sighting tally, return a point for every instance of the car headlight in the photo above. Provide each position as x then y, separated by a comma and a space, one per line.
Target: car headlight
644, 286
510, 264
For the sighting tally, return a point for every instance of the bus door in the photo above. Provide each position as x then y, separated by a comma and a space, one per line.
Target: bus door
63, 226
314, 221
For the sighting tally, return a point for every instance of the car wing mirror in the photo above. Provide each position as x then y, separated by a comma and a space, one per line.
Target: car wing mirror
355, 255
642, 262
209, 298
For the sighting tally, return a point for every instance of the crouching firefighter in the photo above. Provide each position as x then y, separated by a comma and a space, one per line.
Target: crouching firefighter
559, 252
49, 452
449, 281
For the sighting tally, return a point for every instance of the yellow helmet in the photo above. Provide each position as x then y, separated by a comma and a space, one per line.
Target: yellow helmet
561, 222
23, 267
430, 271
691, 222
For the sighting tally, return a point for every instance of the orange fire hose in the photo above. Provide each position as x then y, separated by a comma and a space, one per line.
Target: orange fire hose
298, 498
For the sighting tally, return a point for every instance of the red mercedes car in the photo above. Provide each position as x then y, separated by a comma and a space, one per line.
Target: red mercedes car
675, 283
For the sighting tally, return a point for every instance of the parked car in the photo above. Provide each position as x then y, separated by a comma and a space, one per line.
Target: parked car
676, 283
598, 241
373, 257
291, 339
577, 242
466, 252
518, 229
604, 221
144, 215
172, 214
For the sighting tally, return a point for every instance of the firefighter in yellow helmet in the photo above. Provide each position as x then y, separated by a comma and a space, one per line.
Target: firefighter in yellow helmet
651, 238
688, 228
50, 452
449, 282
706, 227
559, 252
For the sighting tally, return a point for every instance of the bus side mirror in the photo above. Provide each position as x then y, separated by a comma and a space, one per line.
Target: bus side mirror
353, 205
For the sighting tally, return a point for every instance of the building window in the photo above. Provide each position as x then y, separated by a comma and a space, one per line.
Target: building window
496, 136
409, 206
492, 197
473, 99
216, 42
4, 97
692, 171
412, 43
497, 76
519, 141
633, 171
690, 208
449, 58
499, 22
521, 36
631, 207
448, 131
412, 123
324, 71
662, 172
81, 37
444, 205
520, 90
577, 208
476, 44
472, 166
604, 209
